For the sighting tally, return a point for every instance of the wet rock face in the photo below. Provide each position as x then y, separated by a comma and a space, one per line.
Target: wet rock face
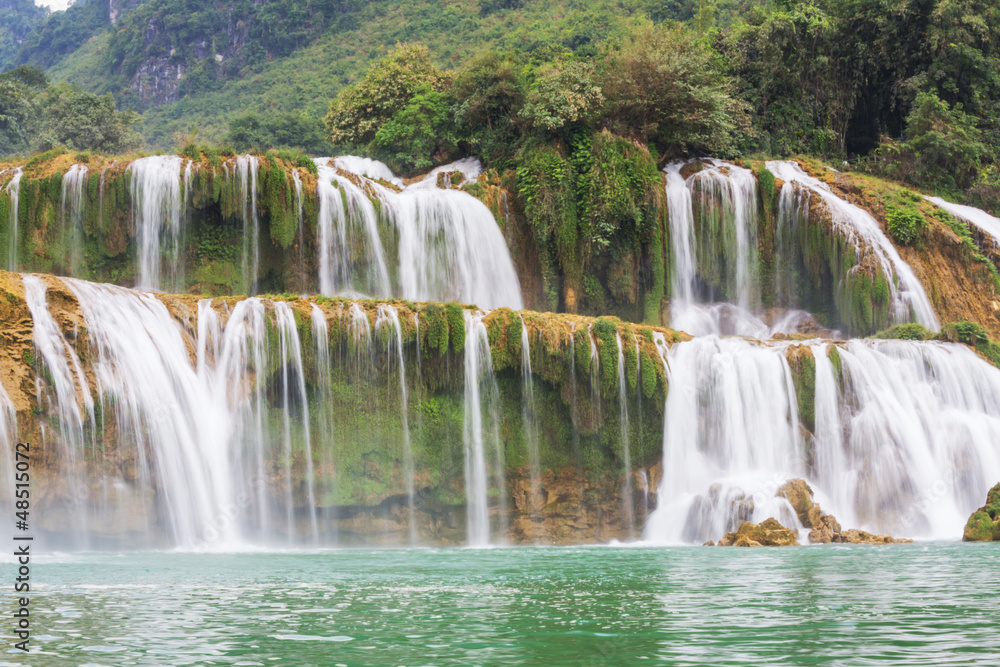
984, 524
768, 533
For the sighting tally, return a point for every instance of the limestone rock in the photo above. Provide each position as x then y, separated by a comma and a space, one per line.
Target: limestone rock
768, 533
710, 543
800, 496
984, 524
854, 536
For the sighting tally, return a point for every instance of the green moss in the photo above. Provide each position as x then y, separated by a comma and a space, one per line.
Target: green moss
456, 324
631, 366
975, 335
905, 223
981, 528
803, 367
650, 372
435, 327
604, 331
834, 355
910, 331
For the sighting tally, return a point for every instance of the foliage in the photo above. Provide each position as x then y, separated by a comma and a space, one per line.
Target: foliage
944, 142
904, 224
911, 331
84, 121
418, 132
35, 116
564, 94
663, 87
64, 32
388, 87
17, 20
259, 132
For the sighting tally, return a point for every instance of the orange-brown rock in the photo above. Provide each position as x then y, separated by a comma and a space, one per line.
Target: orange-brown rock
768, 533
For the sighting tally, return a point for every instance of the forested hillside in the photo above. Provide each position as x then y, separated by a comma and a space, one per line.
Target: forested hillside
911, 88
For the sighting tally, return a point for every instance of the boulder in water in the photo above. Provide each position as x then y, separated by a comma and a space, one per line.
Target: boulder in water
854, 536
984, 524
768, 533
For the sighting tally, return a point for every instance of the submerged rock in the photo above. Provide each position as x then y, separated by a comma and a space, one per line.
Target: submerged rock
854, 536
768, 533
984, 524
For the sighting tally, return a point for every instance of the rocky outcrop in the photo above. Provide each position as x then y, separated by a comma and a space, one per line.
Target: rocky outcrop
984, 524
768, 533
824, 528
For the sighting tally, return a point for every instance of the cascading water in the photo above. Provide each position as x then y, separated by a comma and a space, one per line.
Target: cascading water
324, 403
908, 299
247, 167
348, 227
157, 215
8, 438
73, 199
905, 437
293, 373
480, 388
449, 247
529, 419
13, 188
730, 428
628, 512
982, 220
388, 316
715, 254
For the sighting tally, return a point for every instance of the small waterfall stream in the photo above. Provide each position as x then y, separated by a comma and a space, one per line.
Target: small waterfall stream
628, 511
529, 421
71, 210
13, 188
908, 299
157, 216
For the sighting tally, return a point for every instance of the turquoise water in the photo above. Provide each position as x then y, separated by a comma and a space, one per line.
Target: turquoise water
838, 605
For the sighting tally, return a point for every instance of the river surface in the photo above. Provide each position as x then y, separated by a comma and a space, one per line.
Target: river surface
922, 604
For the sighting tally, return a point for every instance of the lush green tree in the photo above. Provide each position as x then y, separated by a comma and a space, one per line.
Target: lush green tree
84, 121
278, 130
418, 135
489, 92
386, 89
19, 111
664, 87
945, 143
565, 93
785, 68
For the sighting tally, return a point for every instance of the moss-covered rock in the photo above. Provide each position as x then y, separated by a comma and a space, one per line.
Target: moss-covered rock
984, 524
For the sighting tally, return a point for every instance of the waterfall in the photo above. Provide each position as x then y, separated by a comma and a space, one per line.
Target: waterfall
628, 511
448, 245
8, 440
62, 396
292, 372
72, 201
529, 420
13, 188
716, 253
246, 170
324, 403
730, 427
979, 218
348, 228
908, 299
480, 388
389, 316
156, 206
917, 433
905, 437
